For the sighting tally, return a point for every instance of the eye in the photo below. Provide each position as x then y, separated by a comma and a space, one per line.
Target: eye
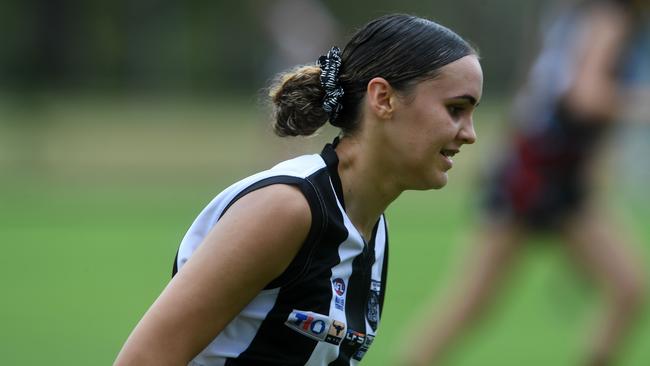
455, 110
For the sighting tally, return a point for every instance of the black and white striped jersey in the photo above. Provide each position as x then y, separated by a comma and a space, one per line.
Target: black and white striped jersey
324, 309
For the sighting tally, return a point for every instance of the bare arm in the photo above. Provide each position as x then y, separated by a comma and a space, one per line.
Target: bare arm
594, 93
252, 243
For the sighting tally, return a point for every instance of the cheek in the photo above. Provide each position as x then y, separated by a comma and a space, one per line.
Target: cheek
425, 124
433, 134
424, 147
422, 132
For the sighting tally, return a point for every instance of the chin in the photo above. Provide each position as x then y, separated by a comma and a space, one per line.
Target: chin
439, 182
435, 182
439, 186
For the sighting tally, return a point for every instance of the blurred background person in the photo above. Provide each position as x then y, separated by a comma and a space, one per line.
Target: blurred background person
575, 91
298, 30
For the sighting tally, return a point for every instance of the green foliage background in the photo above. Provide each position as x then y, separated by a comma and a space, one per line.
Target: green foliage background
96, 192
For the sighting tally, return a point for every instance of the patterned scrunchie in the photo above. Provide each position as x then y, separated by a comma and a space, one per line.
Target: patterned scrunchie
329, 79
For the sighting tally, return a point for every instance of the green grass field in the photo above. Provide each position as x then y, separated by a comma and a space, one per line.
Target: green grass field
96, 193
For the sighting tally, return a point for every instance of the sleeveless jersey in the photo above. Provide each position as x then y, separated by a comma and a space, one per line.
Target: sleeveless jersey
324, 309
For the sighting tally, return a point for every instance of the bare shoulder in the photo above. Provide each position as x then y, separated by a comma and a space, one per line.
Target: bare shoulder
281, 205
267, 226
284, 197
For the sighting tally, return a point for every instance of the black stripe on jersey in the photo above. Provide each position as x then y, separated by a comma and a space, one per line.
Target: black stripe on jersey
332, 162
357, 300
175, 266
384, 270
275, 342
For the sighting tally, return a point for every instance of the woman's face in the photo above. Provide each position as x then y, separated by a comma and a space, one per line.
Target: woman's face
432, 122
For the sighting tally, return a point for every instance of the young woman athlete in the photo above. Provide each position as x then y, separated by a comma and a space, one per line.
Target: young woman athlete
288, 266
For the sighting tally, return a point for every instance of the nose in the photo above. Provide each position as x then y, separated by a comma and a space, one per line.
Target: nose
467, 134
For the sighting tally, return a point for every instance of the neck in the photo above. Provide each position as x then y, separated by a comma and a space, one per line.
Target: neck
367, 189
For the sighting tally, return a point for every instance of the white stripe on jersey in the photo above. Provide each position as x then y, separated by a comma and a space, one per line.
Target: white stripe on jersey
380, 249
239, 333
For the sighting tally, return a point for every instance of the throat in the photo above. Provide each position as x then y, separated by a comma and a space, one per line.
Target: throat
367, 231
363, 221
365, 188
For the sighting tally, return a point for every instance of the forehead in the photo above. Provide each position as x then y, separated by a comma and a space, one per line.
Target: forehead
461, 77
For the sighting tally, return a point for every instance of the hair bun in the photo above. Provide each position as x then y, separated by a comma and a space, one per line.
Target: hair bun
297, 97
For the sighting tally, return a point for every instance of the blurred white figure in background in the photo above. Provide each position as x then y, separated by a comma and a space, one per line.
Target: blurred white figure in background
300, 30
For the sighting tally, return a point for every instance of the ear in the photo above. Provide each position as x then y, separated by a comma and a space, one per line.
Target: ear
380, 97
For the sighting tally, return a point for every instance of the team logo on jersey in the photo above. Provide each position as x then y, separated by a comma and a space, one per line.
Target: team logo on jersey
311, 324
339, 286
339, 302
358, 355
316, 326
354, 338
372, 310
336, 333
375, 286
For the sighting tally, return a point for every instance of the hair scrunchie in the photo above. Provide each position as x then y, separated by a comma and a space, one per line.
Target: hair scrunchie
329, 79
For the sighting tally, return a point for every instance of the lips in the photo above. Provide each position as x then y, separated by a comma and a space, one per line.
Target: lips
447, 155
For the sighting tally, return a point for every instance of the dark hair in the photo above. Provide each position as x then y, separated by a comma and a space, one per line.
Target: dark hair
402, 49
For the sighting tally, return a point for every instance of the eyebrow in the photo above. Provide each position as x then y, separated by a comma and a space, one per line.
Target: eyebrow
470, 99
